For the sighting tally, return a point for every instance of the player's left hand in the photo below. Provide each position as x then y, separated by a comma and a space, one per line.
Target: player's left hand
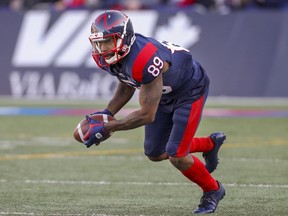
95, 133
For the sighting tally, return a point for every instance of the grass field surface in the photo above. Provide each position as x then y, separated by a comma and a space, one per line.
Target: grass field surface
44, 171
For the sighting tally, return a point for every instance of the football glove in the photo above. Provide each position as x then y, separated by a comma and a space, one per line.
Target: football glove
105, 111
95, 133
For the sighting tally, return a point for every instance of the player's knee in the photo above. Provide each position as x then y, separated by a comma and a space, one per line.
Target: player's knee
154, 159
161, 157
182, 163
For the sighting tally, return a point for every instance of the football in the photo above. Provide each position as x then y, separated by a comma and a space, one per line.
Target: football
83, 126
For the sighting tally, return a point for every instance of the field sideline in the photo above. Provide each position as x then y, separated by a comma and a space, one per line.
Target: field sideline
43, 171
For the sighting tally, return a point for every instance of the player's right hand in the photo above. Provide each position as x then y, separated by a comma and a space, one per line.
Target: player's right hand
95, 133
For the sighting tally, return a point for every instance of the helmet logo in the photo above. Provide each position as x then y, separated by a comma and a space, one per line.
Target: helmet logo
106, 18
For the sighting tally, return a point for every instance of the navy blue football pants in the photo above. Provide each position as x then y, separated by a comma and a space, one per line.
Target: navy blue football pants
173, 132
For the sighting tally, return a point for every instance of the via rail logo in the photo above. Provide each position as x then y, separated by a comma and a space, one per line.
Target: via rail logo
57, 50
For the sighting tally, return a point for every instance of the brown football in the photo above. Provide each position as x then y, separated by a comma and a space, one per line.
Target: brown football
83, 126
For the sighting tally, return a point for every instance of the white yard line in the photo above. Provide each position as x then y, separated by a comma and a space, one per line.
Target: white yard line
68, 182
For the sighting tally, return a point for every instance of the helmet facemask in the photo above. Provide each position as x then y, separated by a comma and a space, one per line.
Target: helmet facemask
111, 55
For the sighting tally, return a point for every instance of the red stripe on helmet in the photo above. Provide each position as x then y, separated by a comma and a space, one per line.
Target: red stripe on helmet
105, 18
141, 60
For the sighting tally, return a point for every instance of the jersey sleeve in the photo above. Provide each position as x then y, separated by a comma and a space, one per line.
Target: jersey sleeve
147, 65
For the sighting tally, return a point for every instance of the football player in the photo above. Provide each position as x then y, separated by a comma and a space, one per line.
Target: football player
173, 88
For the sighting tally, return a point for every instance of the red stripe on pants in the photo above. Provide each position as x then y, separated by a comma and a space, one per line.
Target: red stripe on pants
192, 125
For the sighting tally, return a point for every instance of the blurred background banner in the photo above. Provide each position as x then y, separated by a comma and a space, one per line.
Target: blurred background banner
47, 54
